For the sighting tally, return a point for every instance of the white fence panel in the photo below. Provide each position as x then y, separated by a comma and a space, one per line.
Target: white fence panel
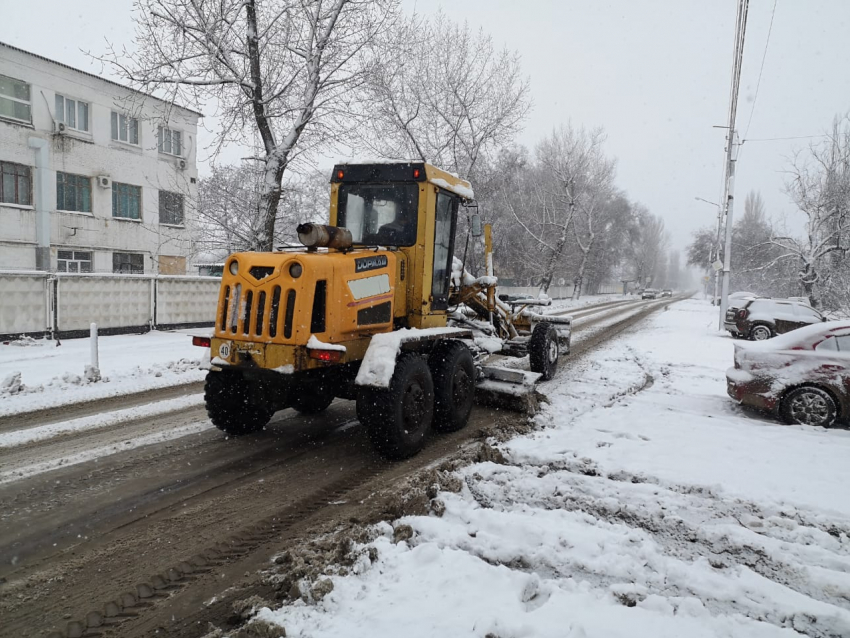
186, 299
119, 301
23, 303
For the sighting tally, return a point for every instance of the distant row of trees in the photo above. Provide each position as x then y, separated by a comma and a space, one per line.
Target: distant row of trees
295, 78
769, 260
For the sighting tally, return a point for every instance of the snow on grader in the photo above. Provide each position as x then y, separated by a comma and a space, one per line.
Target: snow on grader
375, 308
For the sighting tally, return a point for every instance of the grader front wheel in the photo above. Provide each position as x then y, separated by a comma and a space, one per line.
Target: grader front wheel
453, 371
543, 350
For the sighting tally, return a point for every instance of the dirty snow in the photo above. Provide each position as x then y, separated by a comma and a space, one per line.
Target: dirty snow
36, 373
647, 504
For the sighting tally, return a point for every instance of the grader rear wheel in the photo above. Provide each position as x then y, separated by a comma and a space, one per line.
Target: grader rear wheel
398, 418
231, 406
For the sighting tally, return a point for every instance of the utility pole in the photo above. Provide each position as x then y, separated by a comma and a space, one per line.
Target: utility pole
714, 251
728, 199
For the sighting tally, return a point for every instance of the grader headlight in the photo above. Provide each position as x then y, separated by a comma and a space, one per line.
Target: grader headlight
234, 267
295, 270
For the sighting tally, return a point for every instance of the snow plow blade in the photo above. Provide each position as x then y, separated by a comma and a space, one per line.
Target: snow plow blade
508, 389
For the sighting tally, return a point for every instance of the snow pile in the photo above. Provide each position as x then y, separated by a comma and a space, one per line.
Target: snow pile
44, 374
649, 504
313, 343
464, 189
379, 363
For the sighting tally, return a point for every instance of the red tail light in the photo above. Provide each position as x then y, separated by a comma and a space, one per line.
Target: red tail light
330, 356
743, 313
203, 342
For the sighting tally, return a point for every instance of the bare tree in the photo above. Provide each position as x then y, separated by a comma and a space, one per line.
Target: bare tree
820, 187
572, 177
444, 94
229, 210
648, 247
283, 71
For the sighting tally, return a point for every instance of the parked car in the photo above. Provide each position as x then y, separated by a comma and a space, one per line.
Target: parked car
802, 376
760, 319
733, 302
649, 293
666, 293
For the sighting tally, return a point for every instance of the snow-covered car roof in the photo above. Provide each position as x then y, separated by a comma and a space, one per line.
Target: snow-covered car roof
796, 337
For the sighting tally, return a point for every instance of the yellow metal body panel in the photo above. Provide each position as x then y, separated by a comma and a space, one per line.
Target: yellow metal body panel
266, 315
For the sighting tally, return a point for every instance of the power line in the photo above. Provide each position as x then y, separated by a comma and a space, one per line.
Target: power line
761, 69
774, 139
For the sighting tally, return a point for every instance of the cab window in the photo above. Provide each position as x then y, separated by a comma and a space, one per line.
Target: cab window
379, 214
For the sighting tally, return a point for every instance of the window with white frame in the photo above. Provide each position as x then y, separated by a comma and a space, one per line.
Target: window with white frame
170, 208
170, 141
74, 261
125, 128
15, 101
73, 113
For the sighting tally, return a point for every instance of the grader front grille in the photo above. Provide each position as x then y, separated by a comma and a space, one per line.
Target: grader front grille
253, 313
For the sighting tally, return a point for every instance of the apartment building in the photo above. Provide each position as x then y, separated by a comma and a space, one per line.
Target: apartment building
94, 177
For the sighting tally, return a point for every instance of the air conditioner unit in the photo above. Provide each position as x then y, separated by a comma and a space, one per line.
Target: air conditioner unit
104, 181
59, 127
181, 164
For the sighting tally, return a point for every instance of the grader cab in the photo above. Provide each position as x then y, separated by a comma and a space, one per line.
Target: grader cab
374, 308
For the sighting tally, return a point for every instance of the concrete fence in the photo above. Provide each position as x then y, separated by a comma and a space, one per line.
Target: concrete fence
61, 304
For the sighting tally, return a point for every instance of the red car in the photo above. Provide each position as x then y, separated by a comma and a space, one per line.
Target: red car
802, 376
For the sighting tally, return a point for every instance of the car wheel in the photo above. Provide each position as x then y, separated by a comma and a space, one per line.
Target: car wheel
761, 332
809, 406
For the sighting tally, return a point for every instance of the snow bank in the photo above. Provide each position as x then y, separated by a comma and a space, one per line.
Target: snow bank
44, 374
649, 504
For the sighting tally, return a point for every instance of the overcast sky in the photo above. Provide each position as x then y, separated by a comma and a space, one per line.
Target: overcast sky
654, 73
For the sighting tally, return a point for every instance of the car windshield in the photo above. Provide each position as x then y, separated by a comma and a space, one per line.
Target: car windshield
379, 214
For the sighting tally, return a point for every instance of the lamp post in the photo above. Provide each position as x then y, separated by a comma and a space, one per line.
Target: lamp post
714, 252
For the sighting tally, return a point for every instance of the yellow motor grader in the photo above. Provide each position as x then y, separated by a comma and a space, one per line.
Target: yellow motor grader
373, 308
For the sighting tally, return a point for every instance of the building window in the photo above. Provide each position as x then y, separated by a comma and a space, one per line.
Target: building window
15, 184
170, 142
74, 261
170, 208
73, 113
73, 192
126, 201
15, 99
128, 263
125, 128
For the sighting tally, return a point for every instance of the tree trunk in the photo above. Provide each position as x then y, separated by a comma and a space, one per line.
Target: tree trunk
549, 271
582, 266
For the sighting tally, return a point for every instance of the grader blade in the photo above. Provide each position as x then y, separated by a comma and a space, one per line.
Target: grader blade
508, 389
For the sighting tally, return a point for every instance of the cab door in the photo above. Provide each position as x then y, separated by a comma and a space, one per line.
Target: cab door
445, 222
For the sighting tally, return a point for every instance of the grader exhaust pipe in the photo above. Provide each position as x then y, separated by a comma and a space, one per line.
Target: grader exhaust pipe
322, 236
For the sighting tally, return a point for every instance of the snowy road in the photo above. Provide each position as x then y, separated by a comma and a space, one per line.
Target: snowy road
90, 507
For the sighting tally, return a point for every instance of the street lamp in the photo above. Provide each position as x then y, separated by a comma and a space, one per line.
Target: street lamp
714, 252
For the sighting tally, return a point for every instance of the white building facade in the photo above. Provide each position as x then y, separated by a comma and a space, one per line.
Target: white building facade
94, 177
